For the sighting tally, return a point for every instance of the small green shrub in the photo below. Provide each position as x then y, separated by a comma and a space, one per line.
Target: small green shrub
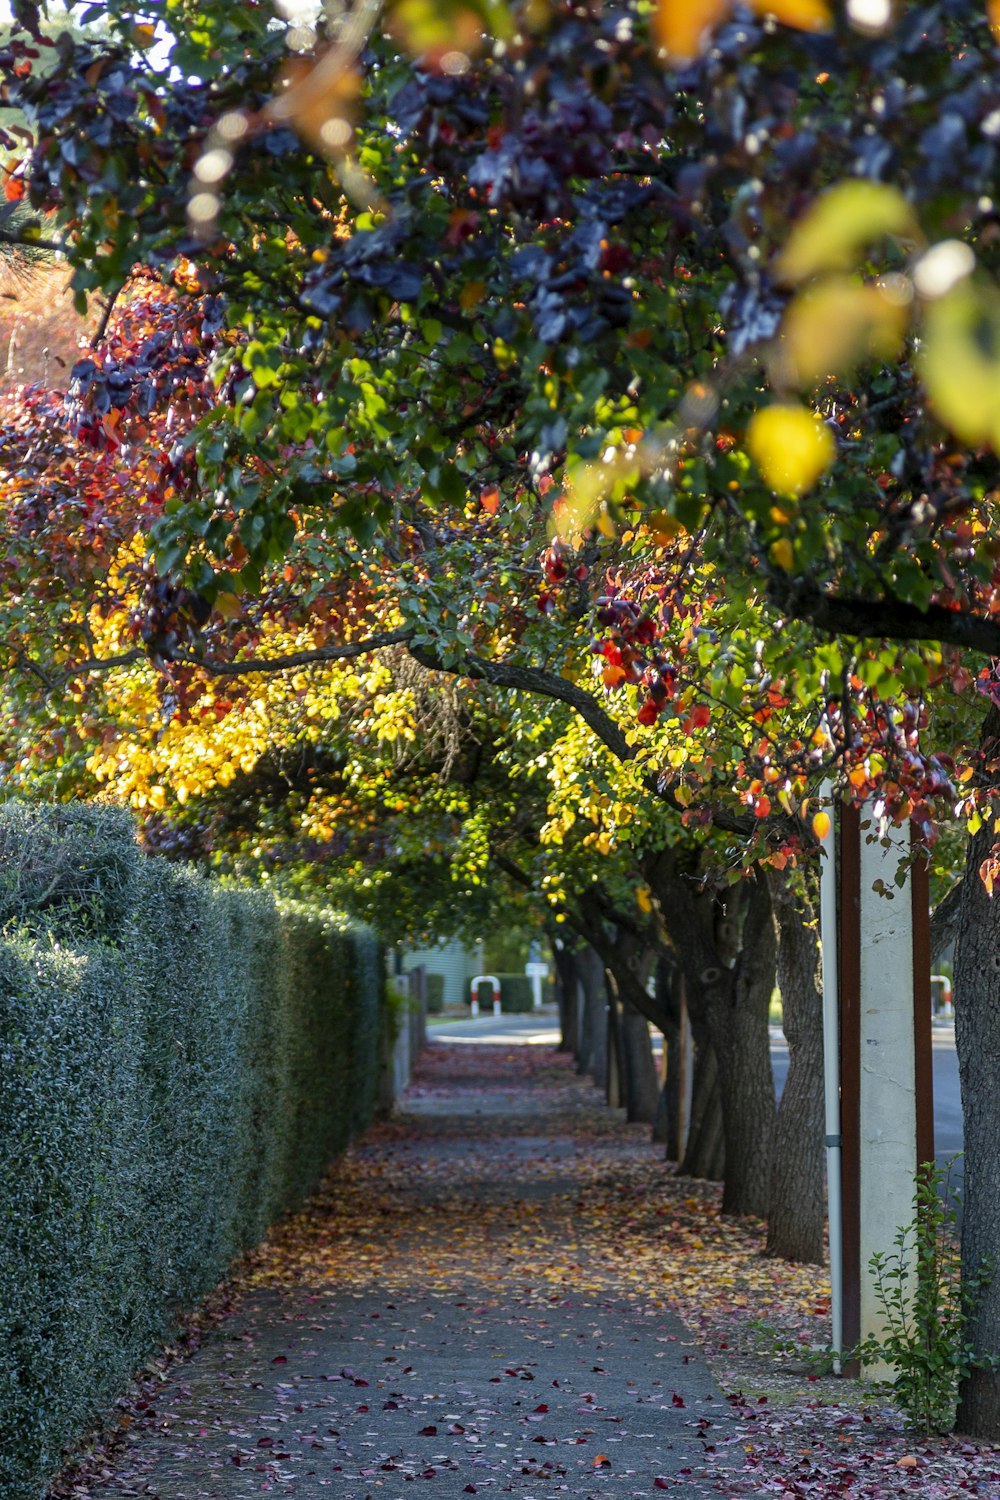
926, 1306
179, 1062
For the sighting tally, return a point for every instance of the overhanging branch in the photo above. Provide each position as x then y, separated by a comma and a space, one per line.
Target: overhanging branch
886, 619
345, 651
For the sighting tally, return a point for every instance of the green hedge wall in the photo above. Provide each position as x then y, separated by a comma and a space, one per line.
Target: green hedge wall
516, 993
179, 1062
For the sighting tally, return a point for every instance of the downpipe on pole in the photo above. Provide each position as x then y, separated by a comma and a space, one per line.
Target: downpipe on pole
831, 1075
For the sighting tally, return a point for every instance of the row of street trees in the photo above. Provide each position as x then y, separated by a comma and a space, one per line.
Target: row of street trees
510, 450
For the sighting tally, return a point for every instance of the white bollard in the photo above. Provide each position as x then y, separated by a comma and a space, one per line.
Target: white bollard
947, 1008
488, 979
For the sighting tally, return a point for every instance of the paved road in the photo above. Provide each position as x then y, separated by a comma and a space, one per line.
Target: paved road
542, 1029
442, 1321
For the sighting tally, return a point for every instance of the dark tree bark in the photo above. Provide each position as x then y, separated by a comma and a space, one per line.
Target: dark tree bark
795, 1215
594, 1022
567, 987
705, 1153
667, 1126
639, 1087
977, 1039
642, 1090
726, 945
614, 1090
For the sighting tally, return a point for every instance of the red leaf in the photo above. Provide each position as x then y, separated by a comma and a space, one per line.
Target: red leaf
428, 1432
677, 1400
660, 1483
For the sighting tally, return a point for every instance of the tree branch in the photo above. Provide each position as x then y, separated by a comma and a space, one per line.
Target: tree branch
343, 652
886, 619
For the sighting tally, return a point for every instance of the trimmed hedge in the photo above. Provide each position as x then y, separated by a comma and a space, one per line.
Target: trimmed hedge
179, 1062
517, 994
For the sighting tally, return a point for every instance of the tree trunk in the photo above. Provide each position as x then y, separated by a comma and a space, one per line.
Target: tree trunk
705, 1153
615, 1088
594, 1025
639, 1087
725, 943
795, 1214
668, 1123
567, 987
977, 1039
642, 1086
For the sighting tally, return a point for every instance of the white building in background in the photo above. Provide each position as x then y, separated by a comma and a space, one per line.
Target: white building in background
457, 963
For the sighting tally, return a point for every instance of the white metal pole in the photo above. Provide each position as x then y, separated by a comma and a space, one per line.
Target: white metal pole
831, 1075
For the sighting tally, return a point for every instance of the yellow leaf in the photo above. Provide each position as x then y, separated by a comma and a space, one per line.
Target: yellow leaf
960, 362
642, 899
835, 230
471, 295
663, 527
781, 552
804, 15
682, 26
790, 446
831, 325
821, 825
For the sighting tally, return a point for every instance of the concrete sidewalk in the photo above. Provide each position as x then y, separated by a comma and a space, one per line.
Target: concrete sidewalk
438, 1325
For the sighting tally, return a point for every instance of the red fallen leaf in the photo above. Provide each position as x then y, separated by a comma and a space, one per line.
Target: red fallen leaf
276, 1454
279, 1359
602, 1461
265, 1442
470, 1489
541, 1406
428, 1473
660, 1483
428, 1432
361, 1408
234, 1458
677, 1400
907, 1462
456, 1427
361, 1382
